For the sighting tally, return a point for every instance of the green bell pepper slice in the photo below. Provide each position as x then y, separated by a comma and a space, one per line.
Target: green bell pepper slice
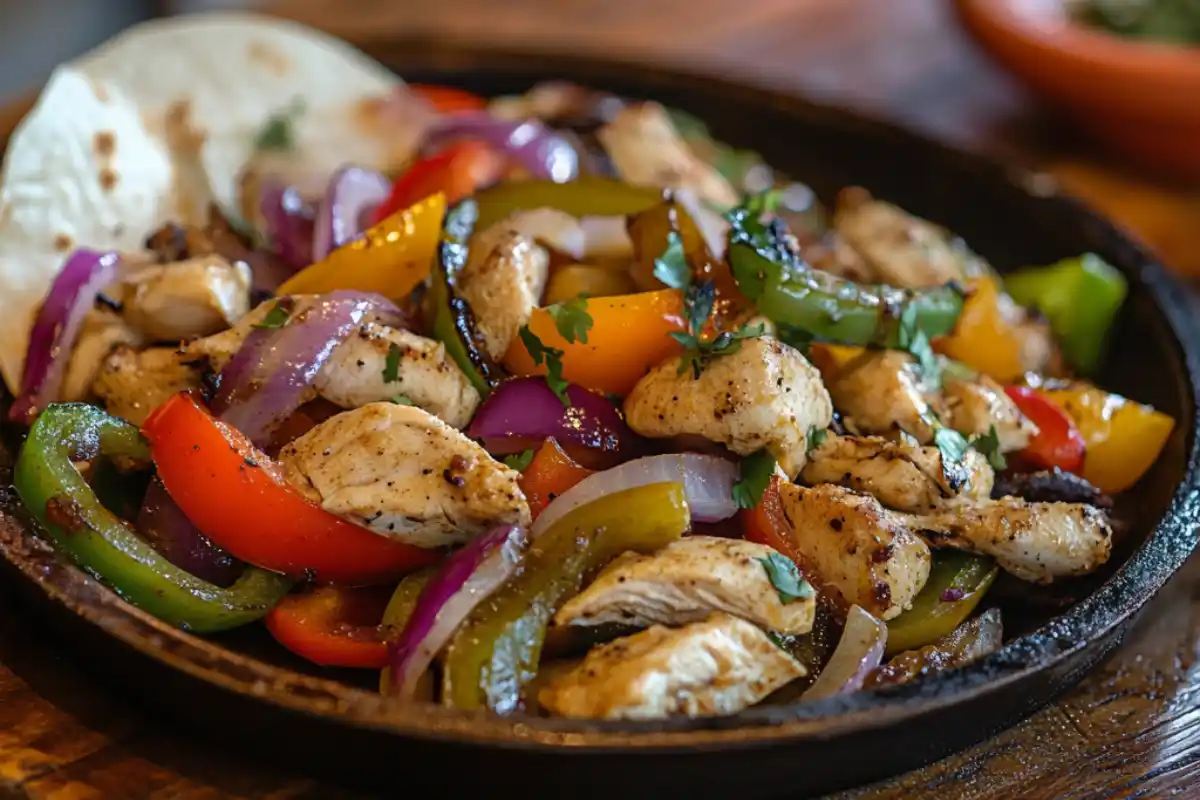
1080, 296
399, 610
957, 582
791, 293
495, 653
79, 525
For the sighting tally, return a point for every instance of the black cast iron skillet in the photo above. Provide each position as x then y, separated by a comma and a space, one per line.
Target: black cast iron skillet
248, 695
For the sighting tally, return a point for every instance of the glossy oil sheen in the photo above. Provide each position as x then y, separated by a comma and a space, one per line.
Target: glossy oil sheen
248, 695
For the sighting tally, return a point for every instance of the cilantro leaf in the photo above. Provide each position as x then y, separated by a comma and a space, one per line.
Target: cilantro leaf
794, 336
763, 202
572, 319
551, 357
784, 576
277, 133
403, 400
391, 365
277, 317
698, 305
951, 444
912, 338
672, 267
816, 437
757, 470
519, 461
989, 445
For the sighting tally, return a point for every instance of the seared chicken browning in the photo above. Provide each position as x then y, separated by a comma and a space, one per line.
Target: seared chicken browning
868, 554
405, 474
902, 475
975, 405
1037, 542
102, 331
719, 666
764, 395
132, 383
503, 282
685, 582
187, 299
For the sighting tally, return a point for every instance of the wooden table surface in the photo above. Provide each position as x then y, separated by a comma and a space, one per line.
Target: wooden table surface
1130, 729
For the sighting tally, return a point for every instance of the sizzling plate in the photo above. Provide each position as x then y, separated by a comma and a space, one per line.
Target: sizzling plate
240, 690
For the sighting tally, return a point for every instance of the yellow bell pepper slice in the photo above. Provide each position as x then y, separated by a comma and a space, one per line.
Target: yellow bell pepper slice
984, 339
582, 279
1124, 438
391, 258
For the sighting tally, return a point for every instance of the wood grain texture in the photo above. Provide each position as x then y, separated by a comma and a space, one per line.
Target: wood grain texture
1132, 729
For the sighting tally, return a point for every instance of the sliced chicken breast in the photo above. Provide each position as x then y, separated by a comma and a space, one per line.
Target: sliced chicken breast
719, 666
191, 298
901, 475
973, 406
102, 331
685, 582
647, 150
880, 392
404, 474
1037, 542
764, 395
852, 544
132, 383
503, 282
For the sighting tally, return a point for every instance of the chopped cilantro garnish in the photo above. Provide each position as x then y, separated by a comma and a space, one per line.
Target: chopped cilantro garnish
519, 461
951, 444
763, 202
816, 437
989, 445
277, 317
784, 576
912, 338
403, 400
391, 365
277, 133
551, 357
757, 470
572, 319
672, 267
698, 304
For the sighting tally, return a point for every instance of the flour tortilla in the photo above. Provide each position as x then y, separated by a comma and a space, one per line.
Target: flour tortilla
159, 121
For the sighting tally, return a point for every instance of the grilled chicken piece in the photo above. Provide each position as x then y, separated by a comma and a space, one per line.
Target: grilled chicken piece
187, 299
1037, 542
852, 544
880, 392
901, 250
503, 282
354, 373
133, 383
901, 475
685, 582
102, 331
647, 150
404, 474
765, 394
719, 666
975, 405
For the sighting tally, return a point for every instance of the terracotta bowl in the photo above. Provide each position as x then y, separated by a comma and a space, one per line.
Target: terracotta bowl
1140, 98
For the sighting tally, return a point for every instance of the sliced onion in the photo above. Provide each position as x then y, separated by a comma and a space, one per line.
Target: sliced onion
713, 227
268, 377
859, 651
56, 328
352, 191
463, 581
707, 483
606, 237
168, 530
522, 413
541, 151
289, 219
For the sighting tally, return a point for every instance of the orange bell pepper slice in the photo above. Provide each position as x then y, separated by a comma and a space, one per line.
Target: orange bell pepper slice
391, 258
549, 474
629, 335
983, 339
1123, 438
333, 626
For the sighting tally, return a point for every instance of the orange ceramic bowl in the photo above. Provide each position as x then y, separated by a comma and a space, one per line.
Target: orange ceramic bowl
1139, 97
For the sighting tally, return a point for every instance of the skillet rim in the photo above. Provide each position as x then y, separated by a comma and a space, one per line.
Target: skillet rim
1095, 618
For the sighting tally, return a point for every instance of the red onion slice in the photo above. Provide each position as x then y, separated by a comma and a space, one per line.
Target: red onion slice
268, 377
858, 652
541, 151
522, 413
168, 530
340, 215
707, 483
56, 328
463, 581
289, 220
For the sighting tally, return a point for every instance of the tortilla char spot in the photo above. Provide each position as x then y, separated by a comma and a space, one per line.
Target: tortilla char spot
104, 143
99, 90
62, 242
108, 179
269, 57
183, 136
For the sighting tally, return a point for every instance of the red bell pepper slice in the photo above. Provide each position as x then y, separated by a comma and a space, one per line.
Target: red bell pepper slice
448, 99
334, 626
239, 499
456, 172
1058, 442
